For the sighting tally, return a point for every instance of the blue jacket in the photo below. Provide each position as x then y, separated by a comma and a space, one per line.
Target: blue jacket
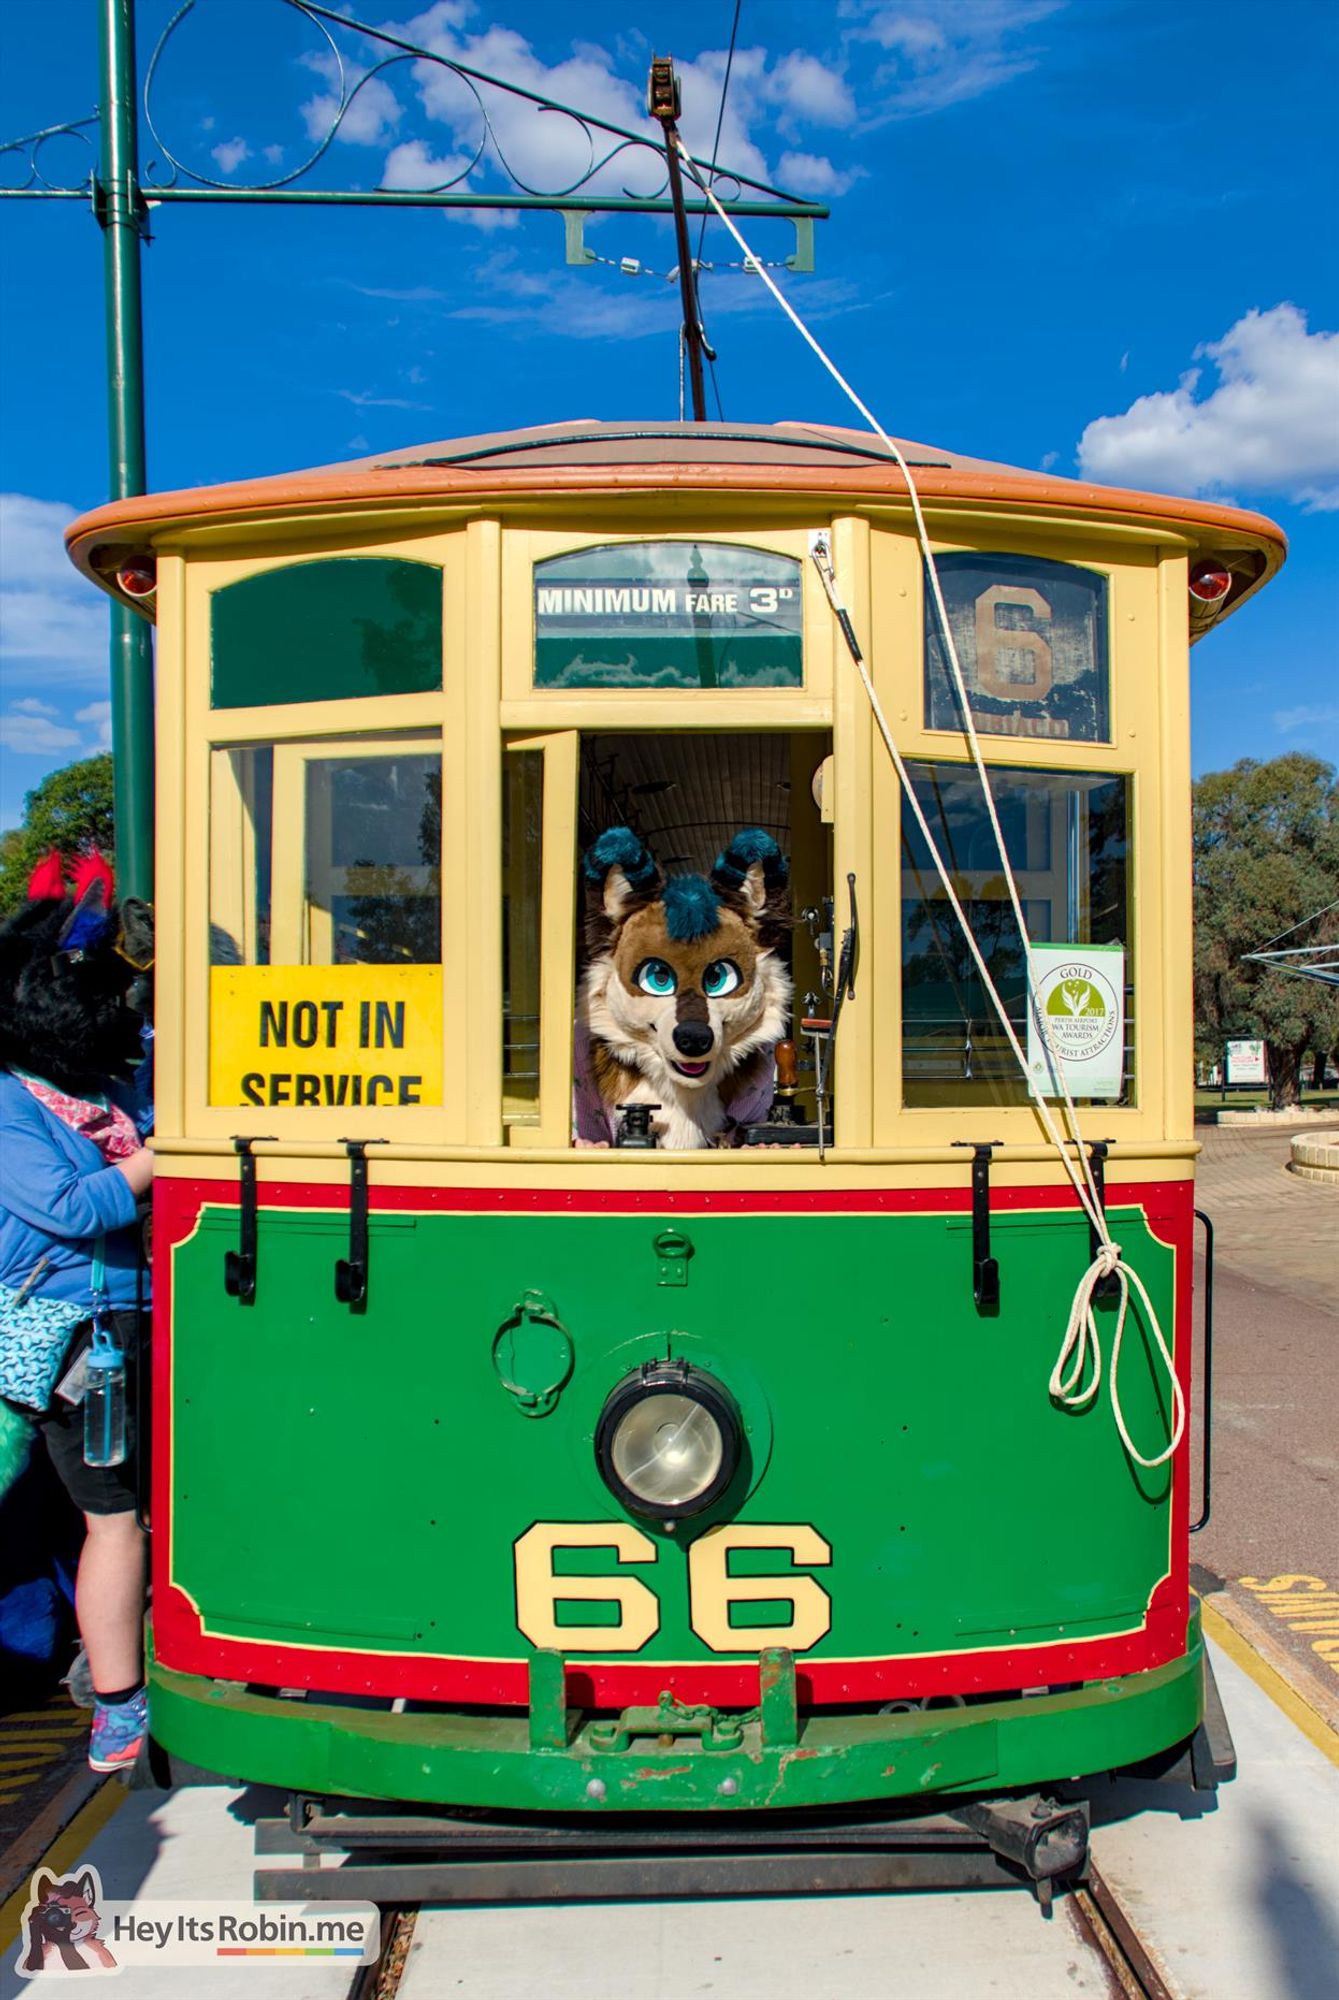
57, 1196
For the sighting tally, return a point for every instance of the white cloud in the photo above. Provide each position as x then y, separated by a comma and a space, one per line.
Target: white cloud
550, 152
230, 155
414, 165
273, 155
26, 735
811, 174
31, 706
372, 109
1310, 716
946, 52
53, 625
363, 399
809, 90
98, 714
1271, 425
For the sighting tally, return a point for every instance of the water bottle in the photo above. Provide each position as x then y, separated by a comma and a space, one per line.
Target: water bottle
105, 1401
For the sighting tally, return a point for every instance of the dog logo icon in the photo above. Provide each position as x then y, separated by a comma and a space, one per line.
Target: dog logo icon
60, 1926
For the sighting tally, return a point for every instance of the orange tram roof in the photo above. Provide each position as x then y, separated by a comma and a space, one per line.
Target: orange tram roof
621, 459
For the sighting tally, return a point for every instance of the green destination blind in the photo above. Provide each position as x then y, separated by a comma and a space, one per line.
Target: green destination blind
668, 615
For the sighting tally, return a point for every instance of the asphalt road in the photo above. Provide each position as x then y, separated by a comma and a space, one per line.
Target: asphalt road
1275, 1513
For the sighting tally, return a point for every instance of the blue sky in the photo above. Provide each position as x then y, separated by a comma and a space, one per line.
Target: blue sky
1086, 235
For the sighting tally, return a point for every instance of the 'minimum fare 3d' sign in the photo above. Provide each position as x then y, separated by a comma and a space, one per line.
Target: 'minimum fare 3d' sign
1079, 993
335, 1035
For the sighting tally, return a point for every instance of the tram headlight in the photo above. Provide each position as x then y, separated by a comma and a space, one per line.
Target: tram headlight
668, 1440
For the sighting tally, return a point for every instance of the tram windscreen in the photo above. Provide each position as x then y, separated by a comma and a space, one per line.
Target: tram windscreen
1066, 833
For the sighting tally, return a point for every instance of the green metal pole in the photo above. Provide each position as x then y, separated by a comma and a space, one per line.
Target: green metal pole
119, 211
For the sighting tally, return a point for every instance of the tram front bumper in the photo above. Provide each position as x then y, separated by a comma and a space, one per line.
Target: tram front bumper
548, 1760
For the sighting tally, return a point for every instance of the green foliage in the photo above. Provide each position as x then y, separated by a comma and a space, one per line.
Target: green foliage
1266, 857
70, 810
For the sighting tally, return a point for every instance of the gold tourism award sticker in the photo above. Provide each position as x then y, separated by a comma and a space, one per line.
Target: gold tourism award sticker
1078, 1018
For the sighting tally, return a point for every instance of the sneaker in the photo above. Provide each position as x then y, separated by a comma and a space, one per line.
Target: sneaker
118, 1732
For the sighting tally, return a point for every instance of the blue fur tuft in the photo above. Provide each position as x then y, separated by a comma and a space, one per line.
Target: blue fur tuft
691, 908
619, 847
750, 847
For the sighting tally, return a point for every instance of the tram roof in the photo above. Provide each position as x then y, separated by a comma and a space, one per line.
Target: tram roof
590, 457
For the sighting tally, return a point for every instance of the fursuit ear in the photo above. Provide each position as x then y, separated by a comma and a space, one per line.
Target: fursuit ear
621, 875
753, 877
90, 920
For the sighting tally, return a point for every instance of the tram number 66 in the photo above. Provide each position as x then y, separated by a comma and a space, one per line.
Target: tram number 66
711, 1588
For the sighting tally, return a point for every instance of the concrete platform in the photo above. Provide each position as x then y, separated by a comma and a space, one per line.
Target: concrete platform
1237, 1900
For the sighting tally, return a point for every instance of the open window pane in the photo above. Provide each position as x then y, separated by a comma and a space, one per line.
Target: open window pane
1067, 841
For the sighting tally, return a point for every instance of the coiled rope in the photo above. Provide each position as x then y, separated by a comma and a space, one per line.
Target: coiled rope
1076, 1377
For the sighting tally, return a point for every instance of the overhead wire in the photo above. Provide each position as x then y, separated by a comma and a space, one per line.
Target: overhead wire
1077, 1374
702, 232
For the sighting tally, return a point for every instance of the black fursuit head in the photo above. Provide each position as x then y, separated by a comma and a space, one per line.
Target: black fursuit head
73, 983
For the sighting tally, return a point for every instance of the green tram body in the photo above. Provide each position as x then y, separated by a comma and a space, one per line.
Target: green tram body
386, 1563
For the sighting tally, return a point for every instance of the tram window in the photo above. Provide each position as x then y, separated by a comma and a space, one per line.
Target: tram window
1067, 839
326, 859
522, 865
324, 631
325, 924
1031, 639
668, 615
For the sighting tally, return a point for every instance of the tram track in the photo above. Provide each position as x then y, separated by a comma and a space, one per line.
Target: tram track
1098, 1916
1104, 1923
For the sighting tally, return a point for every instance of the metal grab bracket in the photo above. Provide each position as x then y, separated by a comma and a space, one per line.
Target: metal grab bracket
1207, 1394
1109, 1286
673, 1250
985, 1268
351, 1271
670, 1720
239, 1265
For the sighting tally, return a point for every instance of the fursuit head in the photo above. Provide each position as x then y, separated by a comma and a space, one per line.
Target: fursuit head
685, 994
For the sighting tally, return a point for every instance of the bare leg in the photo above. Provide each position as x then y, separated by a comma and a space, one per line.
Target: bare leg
109, 1599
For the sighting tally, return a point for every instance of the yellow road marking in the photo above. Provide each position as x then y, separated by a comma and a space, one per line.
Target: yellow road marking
63, 1852
62, 1717
1298, 1711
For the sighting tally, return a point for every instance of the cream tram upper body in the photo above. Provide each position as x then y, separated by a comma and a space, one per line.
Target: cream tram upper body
397, 697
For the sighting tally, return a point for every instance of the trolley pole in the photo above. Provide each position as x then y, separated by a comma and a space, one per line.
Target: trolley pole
662, 101
119, 210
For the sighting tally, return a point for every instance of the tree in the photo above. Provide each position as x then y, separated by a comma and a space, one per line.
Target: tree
71, 810
1266, 858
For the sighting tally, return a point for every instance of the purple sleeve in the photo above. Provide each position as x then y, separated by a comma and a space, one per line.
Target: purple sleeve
753, 1105
591, 1118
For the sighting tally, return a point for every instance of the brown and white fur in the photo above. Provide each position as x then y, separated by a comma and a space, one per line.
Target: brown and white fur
697, 1054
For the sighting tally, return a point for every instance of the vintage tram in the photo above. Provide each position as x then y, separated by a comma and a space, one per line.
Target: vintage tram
501, 1471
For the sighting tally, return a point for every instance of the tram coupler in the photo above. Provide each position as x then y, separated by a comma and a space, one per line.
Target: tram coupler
1039, 1835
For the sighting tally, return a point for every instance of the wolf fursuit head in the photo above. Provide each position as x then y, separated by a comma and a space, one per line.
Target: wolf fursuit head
685, 995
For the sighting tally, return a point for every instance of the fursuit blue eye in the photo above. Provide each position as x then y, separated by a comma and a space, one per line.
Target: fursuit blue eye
722, 976
653, 976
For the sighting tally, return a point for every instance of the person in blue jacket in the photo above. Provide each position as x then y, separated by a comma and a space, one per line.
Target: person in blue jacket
74, 1172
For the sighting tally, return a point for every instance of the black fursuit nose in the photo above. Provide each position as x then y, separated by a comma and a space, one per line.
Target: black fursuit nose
693, 1038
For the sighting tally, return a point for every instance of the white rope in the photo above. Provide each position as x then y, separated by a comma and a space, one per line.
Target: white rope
1077, 1374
